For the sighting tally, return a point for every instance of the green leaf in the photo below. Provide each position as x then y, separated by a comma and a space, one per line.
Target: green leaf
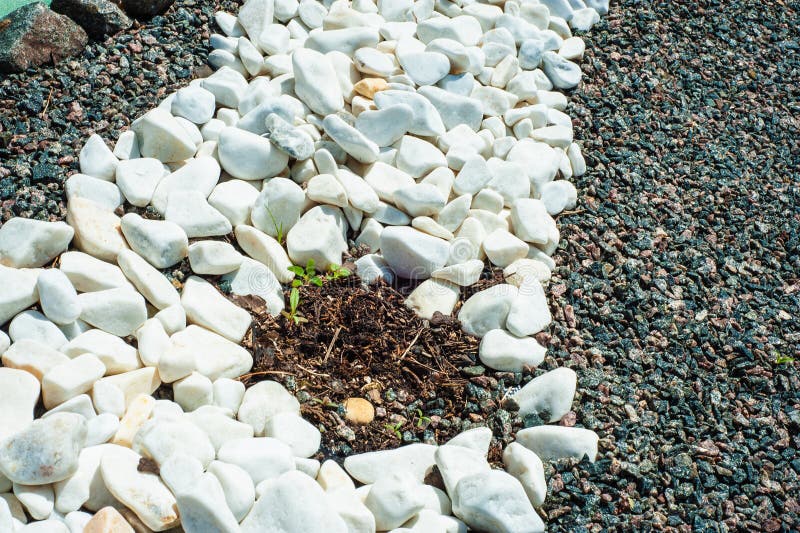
294, 299
296, 269
316, 281
344, 272
296, 283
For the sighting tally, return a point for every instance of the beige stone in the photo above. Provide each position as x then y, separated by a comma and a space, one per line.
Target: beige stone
369, 86
136, 415
108, 520
359, 411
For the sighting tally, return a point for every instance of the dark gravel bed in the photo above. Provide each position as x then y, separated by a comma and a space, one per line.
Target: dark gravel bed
677, 293
678, 277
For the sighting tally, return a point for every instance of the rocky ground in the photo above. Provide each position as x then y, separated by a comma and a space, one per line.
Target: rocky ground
676, 293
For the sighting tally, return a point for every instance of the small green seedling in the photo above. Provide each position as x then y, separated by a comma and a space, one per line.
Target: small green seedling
292, 314
395, 429
781, 359
336, 272
422, 420
306, 276
279, 234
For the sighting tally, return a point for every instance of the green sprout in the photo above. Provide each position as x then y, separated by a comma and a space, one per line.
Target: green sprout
279, 235
395, 429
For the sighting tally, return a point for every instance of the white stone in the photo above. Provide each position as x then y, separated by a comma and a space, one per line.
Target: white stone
318, 236
162, 137
473, 176
32, 243
552, 392
162, 437
393, 500
35, 326
385, 180
70, 379
412, 254
88, 274
563, 73
143, 381
199, 507
350, 139
315, 81
45, 451
264, 249
115, 354
454, 213
160, 242
191, 211
584, 19
457, 462
57, 296
278, 207
431, 227
137, 179
332, 477
180, 472
302, 437
352, 510
502, 351
426, 120
80, 405
530, 220
516, 272
96, 159
38, 500
247, 156
454, 109
173, 318
219, 425
263, 401
5, 342
292, 502
143, 493
487, 309
19, 393
371, 268
503, 248
419, 199
326, 189
529, 313
576, 160
193, 391
236, 485
227, 85
206, 307
558, 196
108, 398
101, 429
86, 486
253, 277
463, 274
262, 458
33, 357
118, 311
228, 393
153, 285
385, 126
101, 192
464, 29
558, 442
211, 354
152, 341
346, 40
433, 295
127, 146
213, 257
477, 439
198, 174
415, 459
234, 199
194, 104
495, 501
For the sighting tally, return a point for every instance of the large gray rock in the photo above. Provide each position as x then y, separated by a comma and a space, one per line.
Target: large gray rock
35, 35
145, 8
97, 17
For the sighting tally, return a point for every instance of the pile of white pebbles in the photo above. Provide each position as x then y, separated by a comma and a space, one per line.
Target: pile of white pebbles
432, 132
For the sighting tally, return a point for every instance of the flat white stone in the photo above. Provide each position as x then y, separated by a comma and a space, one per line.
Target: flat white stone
206, 307
194, 104
213, 257
58, 298
101, 192
530, 220
584, 19
454, 109
503, 248
495, 501
133, 384
88, 274
371, 268
253, 277
247, 156
137, 179
117, 311
426, 120
278, 207
419, 199
385, 180
38, 500
143, 493
152, 341
433, 295
385, 126
464, 29
346, 40
558, 442
162, 137
326, 189
69, 379
199, 507
33, 357
218, 424
160, 242
457, 462
162, 437
374, 62
101, 429
295, 142
228, 394
411, 253
193, 391
431, 227
454, 213
318, 236
264, 400
234, 199
487, 309
558, 196
34, 325
237, 485
227, 85
562, 72
302, 437
28, 243
262, 458
117, 355
463, 274
191, 211
127, 146
86, 486
350, 139
211, 354
198, 174
503, 351
153, 285
80, 405
173, 318
45, 451
96, 159
264, 249
315, 81
393, 500
529, 313
552, 392
477, 439
19, 393
416, 459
